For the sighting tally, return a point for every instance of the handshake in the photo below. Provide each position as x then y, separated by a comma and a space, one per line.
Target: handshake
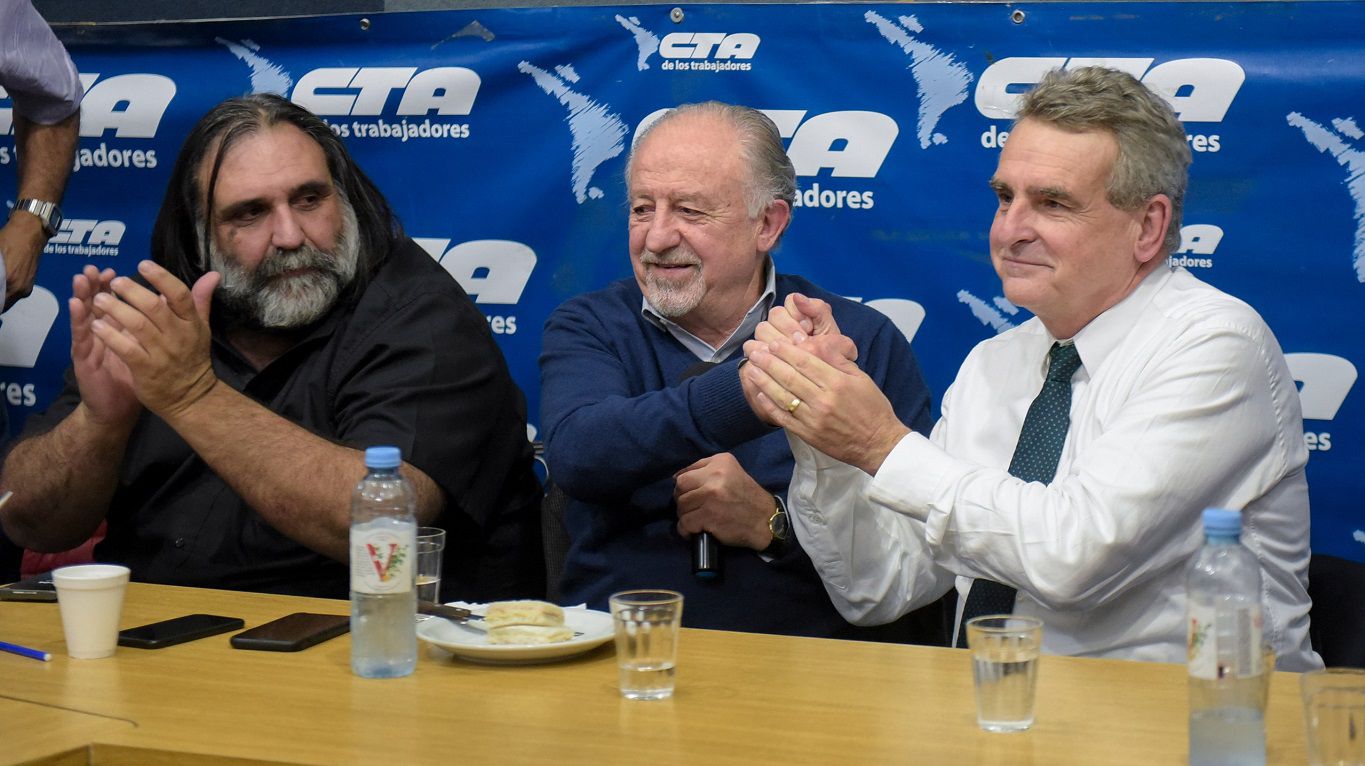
800, 374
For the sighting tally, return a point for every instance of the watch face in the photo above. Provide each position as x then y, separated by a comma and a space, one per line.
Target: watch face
779, 525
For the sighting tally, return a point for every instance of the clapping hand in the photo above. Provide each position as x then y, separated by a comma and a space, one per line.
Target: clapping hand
163, 339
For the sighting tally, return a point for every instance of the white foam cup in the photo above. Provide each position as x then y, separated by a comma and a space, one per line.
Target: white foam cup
91, 599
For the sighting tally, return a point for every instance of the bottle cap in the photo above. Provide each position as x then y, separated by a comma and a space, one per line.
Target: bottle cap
383, 457
1223, 522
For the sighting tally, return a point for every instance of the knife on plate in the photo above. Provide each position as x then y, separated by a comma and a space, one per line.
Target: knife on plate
453, 613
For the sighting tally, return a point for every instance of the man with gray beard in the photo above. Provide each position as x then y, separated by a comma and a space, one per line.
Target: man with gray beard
219, 403
645, 422
262, 298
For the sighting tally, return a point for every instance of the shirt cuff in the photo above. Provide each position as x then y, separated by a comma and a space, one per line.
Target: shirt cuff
910, 477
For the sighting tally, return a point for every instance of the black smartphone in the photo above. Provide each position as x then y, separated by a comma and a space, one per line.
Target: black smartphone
293, 632
166, 633
38, 588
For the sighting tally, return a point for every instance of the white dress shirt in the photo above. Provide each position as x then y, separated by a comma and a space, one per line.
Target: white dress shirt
1183, 402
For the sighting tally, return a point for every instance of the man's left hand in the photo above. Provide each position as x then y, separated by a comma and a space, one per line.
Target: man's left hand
716, 495
163, 339
835, 408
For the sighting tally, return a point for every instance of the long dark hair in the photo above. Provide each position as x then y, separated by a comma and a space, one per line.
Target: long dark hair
175, 236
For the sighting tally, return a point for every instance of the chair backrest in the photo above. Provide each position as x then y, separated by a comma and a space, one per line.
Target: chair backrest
1337, 587
555, 538
554, 535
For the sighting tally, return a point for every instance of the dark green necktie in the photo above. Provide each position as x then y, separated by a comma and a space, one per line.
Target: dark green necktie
1035, 459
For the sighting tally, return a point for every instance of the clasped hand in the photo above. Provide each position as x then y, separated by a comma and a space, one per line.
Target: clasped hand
802, 376
131, 346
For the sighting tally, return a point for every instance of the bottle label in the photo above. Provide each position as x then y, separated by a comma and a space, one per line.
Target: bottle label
381, 559
1211, 660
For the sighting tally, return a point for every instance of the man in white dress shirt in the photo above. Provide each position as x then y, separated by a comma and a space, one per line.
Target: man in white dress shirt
1182, 401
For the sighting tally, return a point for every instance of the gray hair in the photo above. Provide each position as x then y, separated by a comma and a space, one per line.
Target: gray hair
1153, 157
771, 176
180, 243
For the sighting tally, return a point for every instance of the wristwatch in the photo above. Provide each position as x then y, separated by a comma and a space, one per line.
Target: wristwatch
47, 212
780, 527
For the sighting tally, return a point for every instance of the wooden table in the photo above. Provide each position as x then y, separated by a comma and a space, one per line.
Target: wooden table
742, 699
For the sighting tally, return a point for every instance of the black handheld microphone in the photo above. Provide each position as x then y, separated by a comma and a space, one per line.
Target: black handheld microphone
707, 563
706, 560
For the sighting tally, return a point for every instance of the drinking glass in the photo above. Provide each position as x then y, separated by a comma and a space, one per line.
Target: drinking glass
1005, 653
431, 545
647, 624
1334, 715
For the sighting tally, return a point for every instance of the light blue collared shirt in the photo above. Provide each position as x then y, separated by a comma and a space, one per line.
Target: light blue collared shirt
703, 350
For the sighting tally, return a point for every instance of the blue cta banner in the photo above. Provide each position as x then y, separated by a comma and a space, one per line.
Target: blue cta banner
500, 136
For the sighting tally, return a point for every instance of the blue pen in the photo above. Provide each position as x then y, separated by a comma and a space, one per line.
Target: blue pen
24, 651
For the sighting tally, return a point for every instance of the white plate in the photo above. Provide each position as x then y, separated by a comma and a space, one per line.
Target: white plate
472, 643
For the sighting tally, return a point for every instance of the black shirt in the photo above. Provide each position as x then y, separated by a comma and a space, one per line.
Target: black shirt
410, 363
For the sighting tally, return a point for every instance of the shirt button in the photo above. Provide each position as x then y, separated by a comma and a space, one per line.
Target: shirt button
180, 542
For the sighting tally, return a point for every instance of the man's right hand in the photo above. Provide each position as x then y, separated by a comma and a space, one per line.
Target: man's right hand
716, 495
105, 383
834, 407
807, 322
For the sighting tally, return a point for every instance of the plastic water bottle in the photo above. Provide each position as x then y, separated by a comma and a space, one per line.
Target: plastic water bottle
383, 569
1227, 700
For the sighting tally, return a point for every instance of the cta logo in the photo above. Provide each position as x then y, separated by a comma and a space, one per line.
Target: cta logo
1198, 89
490, 270
130, 105
849, 144
365, 91
1197, 239
1324, 381
708, 51
86, 237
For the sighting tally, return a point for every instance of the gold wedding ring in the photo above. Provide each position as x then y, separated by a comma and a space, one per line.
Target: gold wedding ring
793, 405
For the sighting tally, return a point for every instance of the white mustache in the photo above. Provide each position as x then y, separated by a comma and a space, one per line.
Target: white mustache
669, 259
304, 257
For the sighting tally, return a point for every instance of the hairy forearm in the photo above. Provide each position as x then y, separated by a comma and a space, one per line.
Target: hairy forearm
46, 153
299, 482
62, 482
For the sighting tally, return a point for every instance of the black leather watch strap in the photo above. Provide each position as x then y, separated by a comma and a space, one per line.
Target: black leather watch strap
780, 522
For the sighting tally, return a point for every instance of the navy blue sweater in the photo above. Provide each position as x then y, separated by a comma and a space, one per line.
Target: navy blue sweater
618, 423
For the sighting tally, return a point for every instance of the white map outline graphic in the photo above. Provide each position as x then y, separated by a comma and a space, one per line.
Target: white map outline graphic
645, 40
1352, 158
942, 81
266, 75
995, 318
597, 134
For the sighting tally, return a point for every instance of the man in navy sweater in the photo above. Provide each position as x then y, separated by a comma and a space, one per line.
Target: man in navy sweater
646, 427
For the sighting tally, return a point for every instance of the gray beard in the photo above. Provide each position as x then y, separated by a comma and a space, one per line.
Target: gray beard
263, 299
666, 296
